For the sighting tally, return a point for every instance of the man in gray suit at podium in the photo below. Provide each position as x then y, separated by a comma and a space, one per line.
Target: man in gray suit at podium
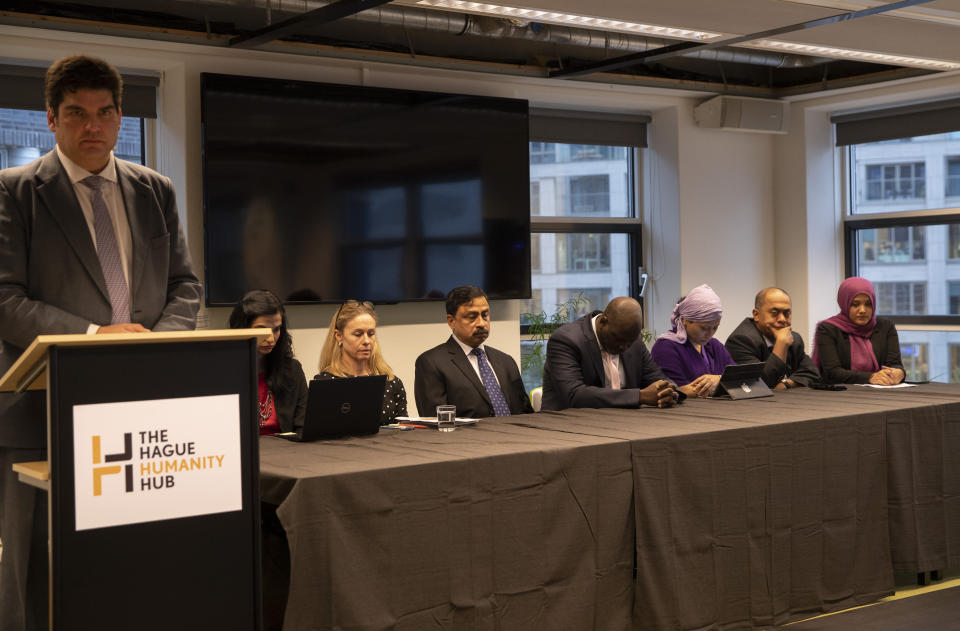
88, 244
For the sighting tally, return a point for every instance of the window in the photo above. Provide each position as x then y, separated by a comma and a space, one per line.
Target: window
589, 195
953, 291
542, 152
594, 298
953, 245
583, 253
901, 298
584, 174
893, 245
953, 177
902, 226
534, 198
25, 136
895, 181
584, 153
955, 363
535, 253
915, 363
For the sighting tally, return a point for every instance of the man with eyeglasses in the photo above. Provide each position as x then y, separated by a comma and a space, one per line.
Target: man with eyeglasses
90, 244
464, 371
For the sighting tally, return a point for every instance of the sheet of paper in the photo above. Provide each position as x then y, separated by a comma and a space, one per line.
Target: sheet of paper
899, 385
432, 420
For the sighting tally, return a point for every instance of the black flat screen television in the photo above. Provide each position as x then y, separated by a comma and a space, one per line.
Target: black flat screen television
322, 192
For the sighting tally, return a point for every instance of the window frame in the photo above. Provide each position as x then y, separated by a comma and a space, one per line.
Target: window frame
852, 223
631, 226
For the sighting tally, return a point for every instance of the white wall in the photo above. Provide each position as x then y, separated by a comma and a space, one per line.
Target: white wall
712, 187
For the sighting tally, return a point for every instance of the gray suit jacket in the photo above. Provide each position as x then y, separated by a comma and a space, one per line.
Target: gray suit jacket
50, 276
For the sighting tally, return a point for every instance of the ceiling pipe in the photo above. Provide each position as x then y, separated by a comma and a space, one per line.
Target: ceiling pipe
459, 24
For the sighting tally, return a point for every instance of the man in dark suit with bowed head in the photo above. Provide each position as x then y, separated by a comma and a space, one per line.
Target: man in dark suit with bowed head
600, 361
768, 337
481, 381
88, 244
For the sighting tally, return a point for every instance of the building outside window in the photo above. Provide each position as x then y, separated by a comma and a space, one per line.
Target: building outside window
584, 173
534, 199
902, 244
901, 298
915, 363
583, 253
953, 177
953, 290
953, 241
895, 181
903, 233
955, 363
542, 153
25, 136
589, 195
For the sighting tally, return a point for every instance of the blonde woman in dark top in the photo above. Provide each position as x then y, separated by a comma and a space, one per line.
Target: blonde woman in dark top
353, 350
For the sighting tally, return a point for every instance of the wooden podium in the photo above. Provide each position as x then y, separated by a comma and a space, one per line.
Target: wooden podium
153, 500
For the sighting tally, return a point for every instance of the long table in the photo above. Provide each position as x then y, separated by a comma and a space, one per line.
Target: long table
711, 515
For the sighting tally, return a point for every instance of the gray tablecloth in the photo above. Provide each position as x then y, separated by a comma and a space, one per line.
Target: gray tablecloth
736, 514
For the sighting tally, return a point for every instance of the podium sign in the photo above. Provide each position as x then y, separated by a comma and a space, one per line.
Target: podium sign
154, 478
140, 461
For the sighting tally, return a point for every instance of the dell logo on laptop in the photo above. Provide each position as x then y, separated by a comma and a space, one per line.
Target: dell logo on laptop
345, 408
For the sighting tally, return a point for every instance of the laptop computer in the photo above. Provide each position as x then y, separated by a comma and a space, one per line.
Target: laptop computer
348, 406
742, 381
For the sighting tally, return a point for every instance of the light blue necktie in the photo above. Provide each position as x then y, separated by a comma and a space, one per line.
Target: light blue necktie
109, 253
500, 407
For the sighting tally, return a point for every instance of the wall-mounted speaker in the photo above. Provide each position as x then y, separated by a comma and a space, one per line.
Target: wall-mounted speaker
744, 114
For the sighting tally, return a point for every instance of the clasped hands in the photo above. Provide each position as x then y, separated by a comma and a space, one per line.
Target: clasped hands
662, 394
887, 376
702, 386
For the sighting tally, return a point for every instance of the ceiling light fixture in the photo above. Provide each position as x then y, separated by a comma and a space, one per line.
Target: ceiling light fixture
926, 14
848, 53
553, 17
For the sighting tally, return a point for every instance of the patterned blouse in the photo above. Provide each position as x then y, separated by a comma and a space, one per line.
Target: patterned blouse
394, 398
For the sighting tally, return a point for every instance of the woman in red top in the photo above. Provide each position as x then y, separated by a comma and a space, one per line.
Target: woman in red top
281, 385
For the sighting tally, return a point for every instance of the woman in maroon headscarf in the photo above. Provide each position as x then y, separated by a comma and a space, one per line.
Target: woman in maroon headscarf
855, 346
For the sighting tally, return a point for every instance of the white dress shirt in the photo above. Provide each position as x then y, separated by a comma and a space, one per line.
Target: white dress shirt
606, 367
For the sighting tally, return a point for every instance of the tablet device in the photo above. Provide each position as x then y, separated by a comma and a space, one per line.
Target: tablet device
743, 381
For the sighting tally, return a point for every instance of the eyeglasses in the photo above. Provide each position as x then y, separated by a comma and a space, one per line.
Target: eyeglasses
366, 304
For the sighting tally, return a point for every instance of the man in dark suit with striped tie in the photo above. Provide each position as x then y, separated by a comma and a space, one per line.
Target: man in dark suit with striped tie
88, 244
480, 380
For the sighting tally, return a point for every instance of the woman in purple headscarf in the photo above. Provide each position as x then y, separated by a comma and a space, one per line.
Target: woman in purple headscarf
688, 354
855, 346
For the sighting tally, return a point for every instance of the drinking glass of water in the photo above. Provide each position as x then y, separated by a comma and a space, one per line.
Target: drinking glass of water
446, 417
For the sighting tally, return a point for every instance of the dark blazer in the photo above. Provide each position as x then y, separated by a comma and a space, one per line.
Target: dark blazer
747, 345
833, 351
50, 276
573, 373
444, 375
292, 402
